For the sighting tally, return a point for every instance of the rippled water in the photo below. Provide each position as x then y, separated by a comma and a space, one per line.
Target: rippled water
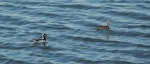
71, 29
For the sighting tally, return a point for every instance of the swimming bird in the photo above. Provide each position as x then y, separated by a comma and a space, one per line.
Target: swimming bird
104, 27
42, 40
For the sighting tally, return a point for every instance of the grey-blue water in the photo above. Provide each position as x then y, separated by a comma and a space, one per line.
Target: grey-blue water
72, 37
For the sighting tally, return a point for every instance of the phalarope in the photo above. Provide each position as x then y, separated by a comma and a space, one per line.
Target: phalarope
42, 40
104, 26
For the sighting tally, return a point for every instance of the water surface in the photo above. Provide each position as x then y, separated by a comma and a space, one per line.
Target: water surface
72, 37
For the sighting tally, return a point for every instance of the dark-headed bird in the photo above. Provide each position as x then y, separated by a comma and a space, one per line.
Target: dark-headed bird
41, 40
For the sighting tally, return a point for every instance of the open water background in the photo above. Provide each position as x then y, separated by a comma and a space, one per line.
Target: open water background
72, 37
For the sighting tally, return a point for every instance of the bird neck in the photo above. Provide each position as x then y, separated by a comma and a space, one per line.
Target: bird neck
43, 37
107, 23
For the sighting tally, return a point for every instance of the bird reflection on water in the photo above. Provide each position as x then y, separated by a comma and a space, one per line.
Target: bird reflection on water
105, 28
107, 34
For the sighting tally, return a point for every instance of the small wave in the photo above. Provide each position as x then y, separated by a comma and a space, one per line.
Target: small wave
9, 5
13, 6
136, 15
138, 26
12, 61
118, 1
147, 1
147, 35
13, 20
26, 8
41, 3
77, 6
143, 6
49, 27
132, 33
7, 28
119, 5
13, 47
120, 62
86, 61
136, 53
8, 18
143, 45
47, 14
80, 38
